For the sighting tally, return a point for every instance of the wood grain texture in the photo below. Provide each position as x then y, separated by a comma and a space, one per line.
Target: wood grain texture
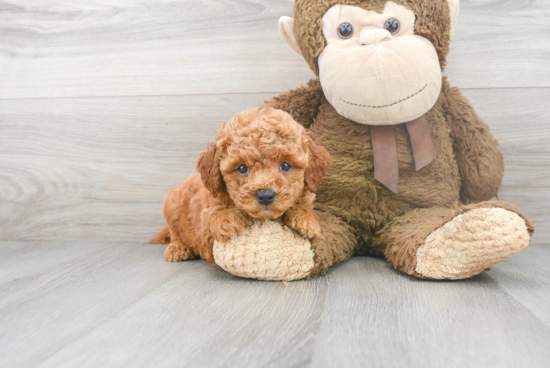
122, 305
71, 48
70, 299
525, 277
374, 314
18, 260
99, 168
102, 164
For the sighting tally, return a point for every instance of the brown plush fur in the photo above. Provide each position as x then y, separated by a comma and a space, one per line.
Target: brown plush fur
218, 202
325, 246
468, 165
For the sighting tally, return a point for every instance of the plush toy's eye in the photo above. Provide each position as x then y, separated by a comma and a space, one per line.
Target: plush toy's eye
243, 169
345, 30
392, 25
285, 167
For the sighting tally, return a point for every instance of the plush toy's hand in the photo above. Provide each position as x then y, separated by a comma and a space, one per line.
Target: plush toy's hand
303, 220
480, 162
227, 223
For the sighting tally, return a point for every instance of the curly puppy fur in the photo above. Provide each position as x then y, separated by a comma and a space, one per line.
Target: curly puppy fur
219, 201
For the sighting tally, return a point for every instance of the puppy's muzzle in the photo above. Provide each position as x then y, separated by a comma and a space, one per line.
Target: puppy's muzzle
265, 196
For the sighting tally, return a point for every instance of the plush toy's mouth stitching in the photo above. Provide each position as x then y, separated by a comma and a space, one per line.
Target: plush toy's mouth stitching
381, 107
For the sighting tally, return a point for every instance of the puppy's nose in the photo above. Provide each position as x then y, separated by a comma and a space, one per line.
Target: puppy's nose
265, 196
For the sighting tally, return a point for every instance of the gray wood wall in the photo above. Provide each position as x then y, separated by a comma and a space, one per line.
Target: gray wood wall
105, 105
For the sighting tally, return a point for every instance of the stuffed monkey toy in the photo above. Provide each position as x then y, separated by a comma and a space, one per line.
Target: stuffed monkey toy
406, 147
413, 165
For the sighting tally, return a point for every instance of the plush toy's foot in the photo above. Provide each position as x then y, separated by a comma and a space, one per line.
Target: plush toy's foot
439, 243
472, 242
177, 251
269, 250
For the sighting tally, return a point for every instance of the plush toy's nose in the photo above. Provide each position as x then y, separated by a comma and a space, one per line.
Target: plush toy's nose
265, 196
374, 36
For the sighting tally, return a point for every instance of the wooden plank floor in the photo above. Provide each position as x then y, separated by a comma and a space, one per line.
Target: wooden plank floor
105, 105
64, 304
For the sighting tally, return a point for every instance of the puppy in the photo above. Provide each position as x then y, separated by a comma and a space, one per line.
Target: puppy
263, 165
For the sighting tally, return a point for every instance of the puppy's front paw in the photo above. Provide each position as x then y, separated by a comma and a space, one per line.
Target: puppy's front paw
226, 225
227, 230
304, 222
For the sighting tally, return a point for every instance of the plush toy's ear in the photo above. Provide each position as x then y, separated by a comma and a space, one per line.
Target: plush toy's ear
209, 170
286, 29
319, 159
454, 5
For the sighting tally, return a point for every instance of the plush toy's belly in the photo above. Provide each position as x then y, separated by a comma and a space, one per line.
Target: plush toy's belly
349, 189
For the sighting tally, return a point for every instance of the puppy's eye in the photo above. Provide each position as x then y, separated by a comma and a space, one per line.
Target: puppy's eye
243, 169
345, 30
392, 25
285, 167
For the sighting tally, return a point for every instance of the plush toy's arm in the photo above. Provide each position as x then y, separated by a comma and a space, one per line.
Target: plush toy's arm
480, 162
302, 103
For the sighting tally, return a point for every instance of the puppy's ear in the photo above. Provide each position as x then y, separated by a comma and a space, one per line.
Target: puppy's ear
209, 170
319, 159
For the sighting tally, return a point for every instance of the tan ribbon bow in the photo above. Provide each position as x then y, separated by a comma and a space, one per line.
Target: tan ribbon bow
384, 149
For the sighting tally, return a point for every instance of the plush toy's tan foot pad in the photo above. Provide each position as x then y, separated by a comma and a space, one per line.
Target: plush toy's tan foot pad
472, 242
267, 250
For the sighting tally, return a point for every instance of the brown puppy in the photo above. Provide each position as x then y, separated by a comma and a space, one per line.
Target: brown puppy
263, 165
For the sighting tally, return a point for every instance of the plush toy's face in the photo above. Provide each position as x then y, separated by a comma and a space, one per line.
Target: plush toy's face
373, 67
